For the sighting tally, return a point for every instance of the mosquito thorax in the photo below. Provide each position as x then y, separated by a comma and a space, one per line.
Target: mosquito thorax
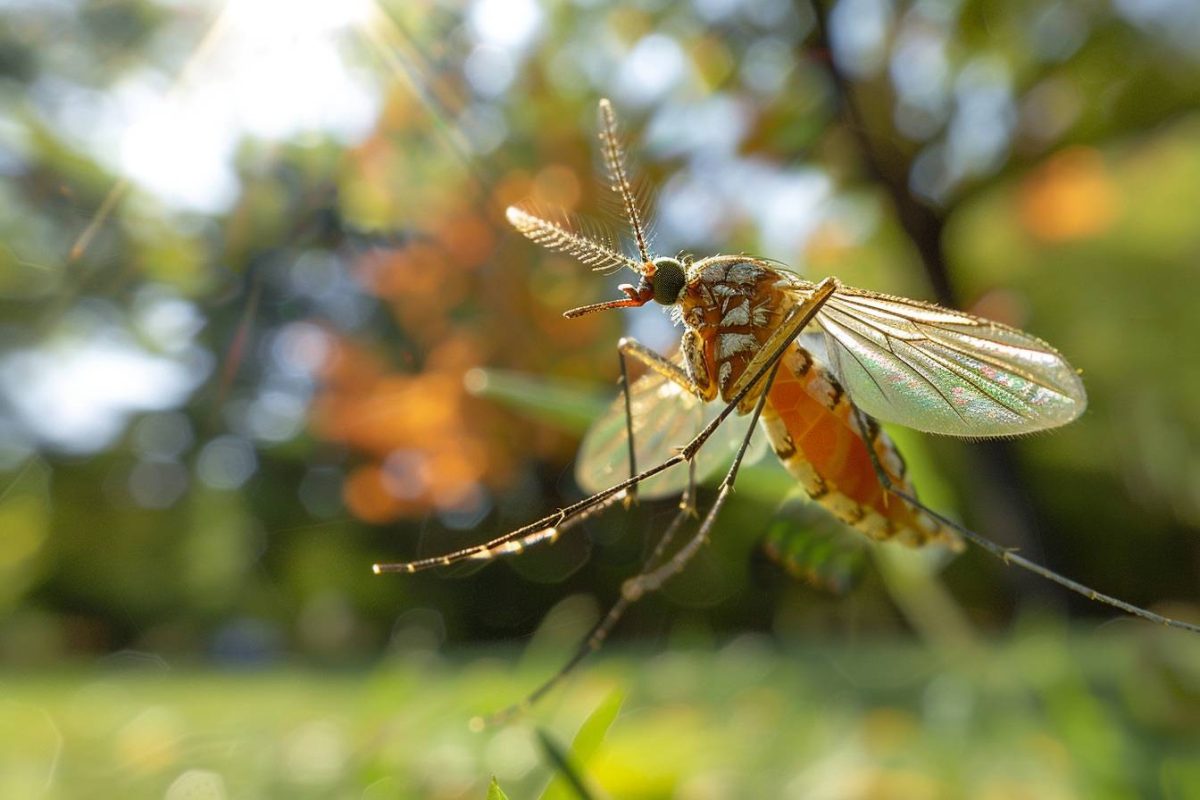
668, 281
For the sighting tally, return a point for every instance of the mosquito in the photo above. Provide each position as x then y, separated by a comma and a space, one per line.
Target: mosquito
742, 351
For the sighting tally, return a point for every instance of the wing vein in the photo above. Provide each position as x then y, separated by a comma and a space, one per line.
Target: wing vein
913, 368
920, 326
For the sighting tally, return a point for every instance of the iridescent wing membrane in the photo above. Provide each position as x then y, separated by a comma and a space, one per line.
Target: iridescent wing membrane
941, 371
902, 361
665, 417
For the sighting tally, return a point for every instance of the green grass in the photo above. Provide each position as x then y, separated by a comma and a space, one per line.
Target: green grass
1110, 713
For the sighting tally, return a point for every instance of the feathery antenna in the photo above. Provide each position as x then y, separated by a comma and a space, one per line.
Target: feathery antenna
552, 235
615, 159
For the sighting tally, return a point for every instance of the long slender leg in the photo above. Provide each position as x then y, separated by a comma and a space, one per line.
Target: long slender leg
1009, 555
549, 528
631, 494
653, 573
601, 630
599, 633
663, 366
545, 529
629, 347
638, 586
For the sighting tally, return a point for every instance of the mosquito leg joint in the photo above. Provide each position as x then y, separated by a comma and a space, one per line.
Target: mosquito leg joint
632, 590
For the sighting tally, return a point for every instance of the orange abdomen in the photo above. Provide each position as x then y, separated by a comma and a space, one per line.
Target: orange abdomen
815, 432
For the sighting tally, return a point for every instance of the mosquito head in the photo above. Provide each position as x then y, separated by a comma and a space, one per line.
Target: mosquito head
662, 281
667, 280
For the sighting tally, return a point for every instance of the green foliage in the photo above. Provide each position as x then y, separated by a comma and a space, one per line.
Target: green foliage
324, 316
814, 548
1047, 713
570, 782
494, 792
555, 402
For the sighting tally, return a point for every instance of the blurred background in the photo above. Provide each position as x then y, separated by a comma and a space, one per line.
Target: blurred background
262, 324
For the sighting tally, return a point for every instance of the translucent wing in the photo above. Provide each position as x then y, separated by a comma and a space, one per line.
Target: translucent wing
665, 416
943, 371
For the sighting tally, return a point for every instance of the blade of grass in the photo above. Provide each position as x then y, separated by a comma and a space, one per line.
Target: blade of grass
570, 782
570, 407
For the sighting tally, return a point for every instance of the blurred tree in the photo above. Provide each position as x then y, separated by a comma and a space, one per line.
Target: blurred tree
249, 258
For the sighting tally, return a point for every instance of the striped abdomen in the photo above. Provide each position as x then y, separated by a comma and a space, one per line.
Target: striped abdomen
813, 428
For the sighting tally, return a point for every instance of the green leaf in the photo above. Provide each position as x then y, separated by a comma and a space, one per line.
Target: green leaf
816, 548
571, 407
494, 791
591, 734
569, 783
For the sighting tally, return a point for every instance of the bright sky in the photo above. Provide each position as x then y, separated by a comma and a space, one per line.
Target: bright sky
270, 69
76, 389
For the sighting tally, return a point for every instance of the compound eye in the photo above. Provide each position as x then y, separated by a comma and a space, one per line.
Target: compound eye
669, 280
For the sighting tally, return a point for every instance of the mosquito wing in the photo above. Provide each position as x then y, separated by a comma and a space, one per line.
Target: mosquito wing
665, 417
942, 371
